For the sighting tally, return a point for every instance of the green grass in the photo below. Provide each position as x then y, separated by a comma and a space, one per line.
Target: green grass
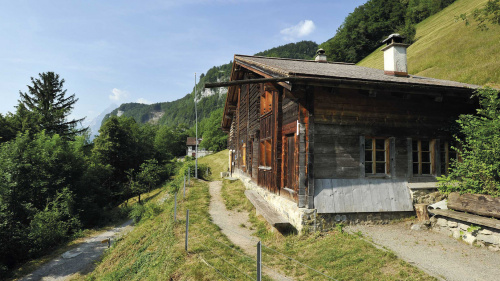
218, 162
154, 250
449, 50
339, 255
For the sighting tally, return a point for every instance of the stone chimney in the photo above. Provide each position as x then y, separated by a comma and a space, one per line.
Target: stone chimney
395, 56
321, 56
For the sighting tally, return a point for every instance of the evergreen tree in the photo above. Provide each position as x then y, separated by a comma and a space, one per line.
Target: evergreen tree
47, 103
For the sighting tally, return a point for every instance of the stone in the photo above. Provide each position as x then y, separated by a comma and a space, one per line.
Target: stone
433, 220
494, 248
416, 226
485, 232
487, 239
456, 233
452, 224
469, 238
442, 222
462, 226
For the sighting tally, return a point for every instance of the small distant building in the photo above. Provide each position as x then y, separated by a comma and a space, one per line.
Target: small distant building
191, 148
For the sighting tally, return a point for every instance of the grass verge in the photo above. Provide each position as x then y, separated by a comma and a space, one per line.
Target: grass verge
336, 253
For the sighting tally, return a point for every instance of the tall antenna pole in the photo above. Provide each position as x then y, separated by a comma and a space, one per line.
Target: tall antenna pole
196, 151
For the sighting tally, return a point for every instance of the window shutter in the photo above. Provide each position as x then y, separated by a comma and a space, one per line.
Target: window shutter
362, 156
410, 157
392, 156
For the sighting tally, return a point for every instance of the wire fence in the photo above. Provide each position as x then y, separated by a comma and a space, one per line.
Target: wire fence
194, 242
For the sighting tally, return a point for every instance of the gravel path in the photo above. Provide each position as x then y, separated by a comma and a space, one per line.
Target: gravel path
435, 253
78, 259
230, 224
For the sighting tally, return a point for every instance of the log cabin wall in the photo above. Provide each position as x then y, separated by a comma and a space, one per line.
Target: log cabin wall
253, 127
345, 118
289, 149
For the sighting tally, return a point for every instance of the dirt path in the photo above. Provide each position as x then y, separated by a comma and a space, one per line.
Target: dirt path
230, 224
79, 259
437, 254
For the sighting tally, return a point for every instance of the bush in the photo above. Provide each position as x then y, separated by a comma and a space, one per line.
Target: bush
146, 211
479, 149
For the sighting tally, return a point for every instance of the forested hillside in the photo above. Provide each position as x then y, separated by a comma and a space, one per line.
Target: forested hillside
449, 49
181, 111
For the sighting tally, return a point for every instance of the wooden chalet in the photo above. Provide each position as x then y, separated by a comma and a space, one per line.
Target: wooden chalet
337, 137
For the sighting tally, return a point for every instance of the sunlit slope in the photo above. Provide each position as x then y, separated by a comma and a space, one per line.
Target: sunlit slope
446, 49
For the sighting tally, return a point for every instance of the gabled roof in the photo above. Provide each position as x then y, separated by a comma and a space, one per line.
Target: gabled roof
286, 72
278, 67
192, 141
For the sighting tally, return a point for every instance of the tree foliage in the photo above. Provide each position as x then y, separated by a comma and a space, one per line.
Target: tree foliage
479, 149
363, 30
489, 13
301, 50
47, 102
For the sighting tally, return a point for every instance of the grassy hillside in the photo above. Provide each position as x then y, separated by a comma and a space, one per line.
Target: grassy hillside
449, 50
154, 250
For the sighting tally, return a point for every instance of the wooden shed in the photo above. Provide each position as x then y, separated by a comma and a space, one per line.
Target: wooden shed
337, 137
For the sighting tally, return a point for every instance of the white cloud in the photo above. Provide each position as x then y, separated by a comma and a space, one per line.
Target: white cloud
303, 28
118, 95
144, 101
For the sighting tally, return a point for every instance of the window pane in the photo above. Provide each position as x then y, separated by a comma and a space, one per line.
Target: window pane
426, 157
368, 143
415, 168
415, 156
380, 156
426, 169
368, 155
425, 146
380, 144
443, 168
380, 168
368, 167
414, 145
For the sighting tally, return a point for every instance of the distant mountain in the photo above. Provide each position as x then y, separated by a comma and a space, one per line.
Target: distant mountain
181, 111
95, 124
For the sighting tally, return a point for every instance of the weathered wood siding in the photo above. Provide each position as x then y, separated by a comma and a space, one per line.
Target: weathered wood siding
342, 116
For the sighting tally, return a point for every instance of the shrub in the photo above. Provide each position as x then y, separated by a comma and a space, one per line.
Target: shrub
479, 149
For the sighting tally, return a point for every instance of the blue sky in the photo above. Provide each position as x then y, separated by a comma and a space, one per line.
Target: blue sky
148, 51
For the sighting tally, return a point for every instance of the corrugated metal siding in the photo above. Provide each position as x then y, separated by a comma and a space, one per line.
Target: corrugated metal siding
361, 195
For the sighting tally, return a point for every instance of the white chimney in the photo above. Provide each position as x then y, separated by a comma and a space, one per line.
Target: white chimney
321, 56
395, 56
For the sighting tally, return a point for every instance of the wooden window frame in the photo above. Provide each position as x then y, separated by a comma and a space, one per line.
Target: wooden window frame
419, 161
373, 162
445, 150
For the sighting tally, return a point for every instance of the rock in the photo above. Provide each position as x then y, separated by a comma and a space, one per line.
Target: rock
462, 226
487, 239
469, 238
426, 223
452, 224
442, 222
416, 227
494, 248
456, 234
433, 220
485, 232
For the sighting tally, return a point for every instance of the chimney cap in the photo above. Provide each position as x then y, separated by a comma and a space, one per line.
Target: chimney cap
396, 38
320, 51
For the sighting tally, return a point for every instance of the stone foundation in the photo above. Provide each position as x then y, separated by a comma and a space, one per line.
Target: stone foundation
298, 217
472, 234
426, 196
326, 222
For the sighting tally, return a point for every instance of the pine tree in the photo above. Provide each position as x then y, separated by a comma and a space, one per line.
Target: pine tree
47, 102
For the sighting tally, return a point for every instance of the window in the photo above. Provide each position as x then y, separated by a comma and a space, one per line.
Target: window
376, 156
423, 157
447, 153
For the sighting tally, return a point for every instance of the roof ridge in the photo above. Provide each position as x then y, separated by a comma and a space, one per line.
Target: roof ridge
277, 58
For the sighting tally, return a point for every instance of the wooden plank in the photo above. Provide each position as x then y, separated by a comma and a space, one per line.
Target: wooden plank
474, 219
479, 204
263, 208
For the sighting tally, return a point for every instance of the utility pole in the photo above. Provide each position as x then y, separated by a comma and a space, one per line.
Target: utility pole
196, 141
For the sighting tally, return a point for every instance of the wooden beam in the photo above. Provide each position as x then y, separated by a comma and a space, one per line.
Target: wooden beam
479, 204
474, 219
